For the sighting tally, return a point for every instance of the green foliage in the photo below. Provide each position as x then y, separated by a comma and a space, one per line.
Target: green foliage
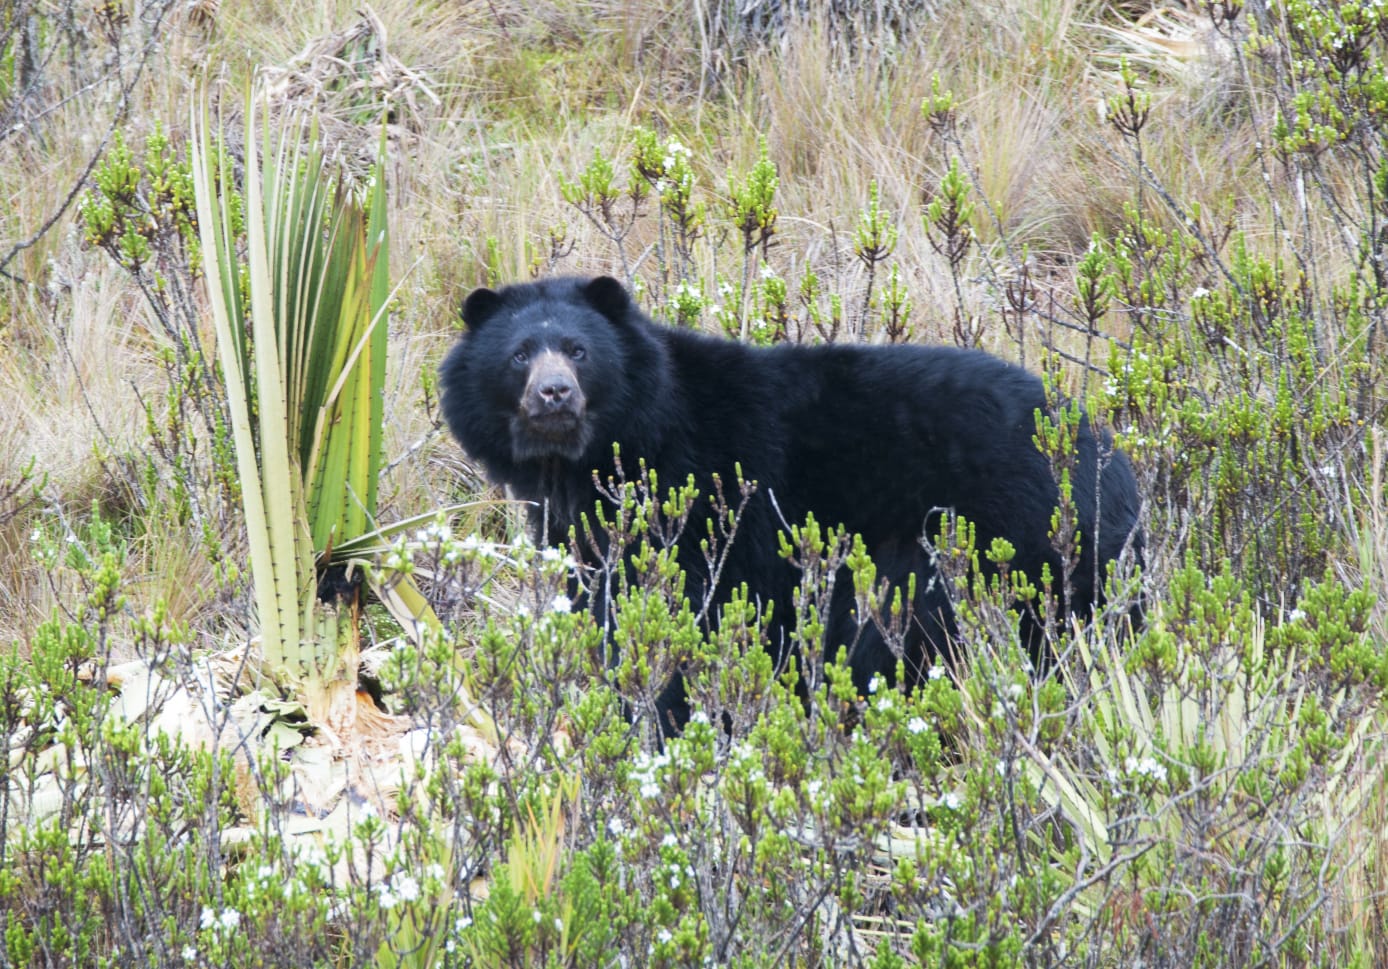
138, 209
947, 221
1129, 110
1216, 747
686, 305
750, 204
755, 301
22, 491
667, 171
1233, 407
142, 214
96, 810
939, 107
612, 211
947, 217
874, 239
1095, 286
984, 818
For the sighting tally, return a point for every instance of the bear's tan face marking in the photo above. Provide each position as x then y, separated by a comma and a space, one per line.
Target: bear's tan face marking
552, 387
549, 418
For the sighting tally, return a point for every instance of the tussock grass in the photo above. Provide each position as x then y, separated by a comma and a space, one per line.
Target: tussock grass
70, 392
72, 408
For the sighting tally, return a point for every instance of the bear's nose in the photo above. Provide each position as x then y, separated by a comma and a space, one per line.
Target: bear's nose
555, 391
553, 388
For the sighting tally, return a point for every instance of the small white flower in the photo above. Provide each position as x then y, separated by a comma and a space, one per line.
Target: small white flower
663, 936
1146, 767
669, 841
699, 716
561, 603
408, 888
552, 554
1296, 615
462, 923
388, 898
916, 725
615, 827
875, 684
310, 855
951, 800
190, 954
559, 925
1014, 691
536, 916
207, 919
230, 919
935, 672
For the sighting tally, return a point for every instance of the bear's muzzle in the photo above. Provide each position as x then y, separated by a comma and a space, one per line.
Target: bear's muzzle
552, 407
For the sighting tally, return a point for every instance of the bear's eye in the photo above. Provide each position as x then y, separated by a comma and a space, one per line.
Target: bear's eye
520, 356
577, 352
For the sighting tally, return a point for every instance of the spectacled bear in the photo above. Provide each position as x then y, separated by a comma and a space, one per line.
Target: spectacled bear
549, 375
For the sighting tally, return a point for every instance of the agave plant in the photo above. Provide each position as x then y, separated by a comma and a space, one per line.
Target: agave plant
302, 342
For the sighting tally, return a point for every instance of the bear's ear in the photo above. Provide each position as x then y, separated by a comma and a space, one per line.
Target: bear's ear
480, 306
608, 297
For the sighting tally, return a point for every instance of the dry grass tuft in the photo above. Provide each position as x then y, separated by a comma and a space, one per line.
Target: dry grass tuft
73, 409
351, 82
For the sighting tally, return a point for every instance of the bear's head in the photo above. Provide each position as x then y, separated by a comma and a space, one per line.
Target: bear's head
543, 360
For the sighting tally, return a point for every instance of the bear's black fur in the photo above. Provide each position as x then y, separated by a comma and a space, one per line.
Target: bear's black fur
550, 374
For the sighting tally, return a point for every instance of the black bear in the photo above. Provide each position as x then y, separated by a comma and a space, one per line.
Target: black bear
549, 375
